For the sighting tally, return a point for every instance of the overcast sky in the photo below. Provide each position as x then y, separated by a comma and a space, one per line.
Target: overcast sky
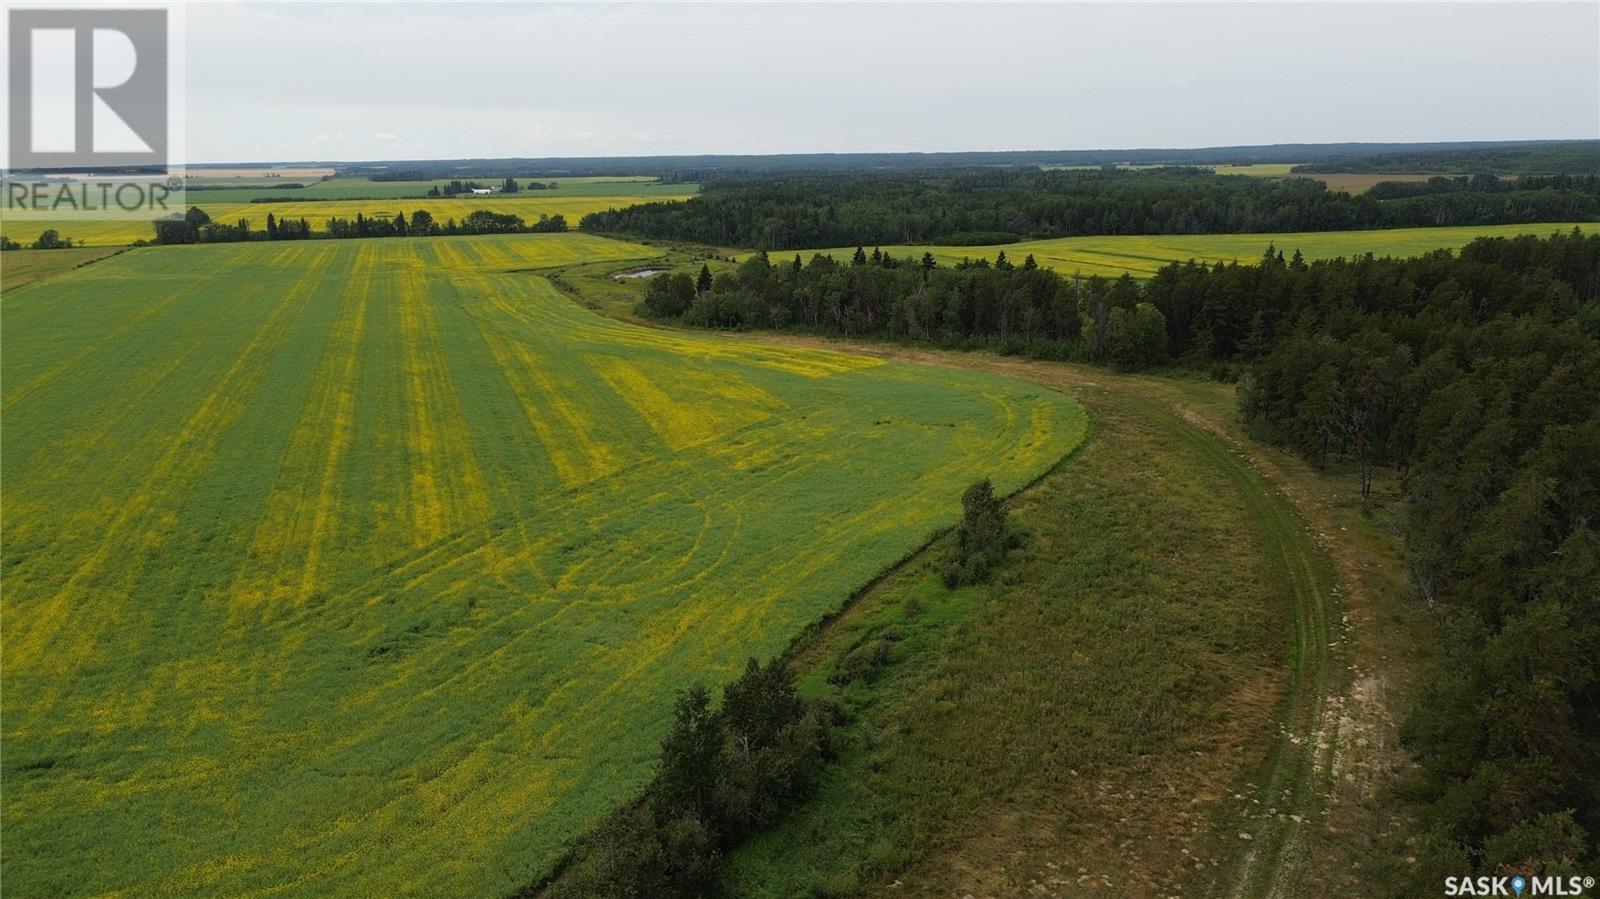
345, 82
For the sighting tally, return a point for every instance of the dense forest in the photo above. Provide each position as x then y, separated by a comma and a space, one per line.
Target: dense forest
988, 206
1475, 376
1478, 379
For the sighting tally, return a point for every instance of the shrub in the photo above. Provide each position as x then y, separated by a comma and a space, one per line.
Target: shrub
860, 663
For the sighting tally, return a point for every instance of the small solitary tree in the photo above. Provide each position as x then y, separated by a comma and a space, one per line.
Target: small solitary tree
982, 538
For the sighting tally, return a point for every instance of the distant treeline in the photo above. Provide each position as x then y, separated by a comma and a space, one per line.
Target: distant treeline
508, 186
196, 226
286, 185
400, 175
1003, 205
1573, 157
49, 239
1492, 184
1476, 376
1467, 157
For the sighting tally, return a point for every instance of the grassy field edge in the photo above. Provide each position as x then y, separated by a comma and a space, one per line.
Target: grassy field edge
1289, 794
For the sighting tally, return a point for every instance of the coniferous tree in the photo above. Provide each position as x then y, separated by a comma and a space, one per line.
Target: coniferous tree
981, 539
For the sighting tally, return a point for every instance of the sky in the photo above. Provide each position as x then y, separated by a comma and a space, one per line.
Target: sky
282, 82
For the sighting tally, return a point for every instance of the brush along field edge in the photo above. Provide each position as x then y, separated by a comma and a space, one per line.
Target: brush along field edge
372, 566
1282, 808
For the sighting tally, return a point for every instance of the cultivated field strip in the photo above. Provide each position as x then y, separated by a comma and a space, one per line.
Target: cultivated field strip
1143, 255
637, 189
229, 209
371, 566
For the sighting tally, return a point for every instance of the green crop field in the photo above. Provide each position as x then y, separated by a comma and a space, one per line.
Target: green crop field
639, 188
1143, 255
1256, 170
1361, 182
370, 567
230, 206
1349, 182
22, 267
